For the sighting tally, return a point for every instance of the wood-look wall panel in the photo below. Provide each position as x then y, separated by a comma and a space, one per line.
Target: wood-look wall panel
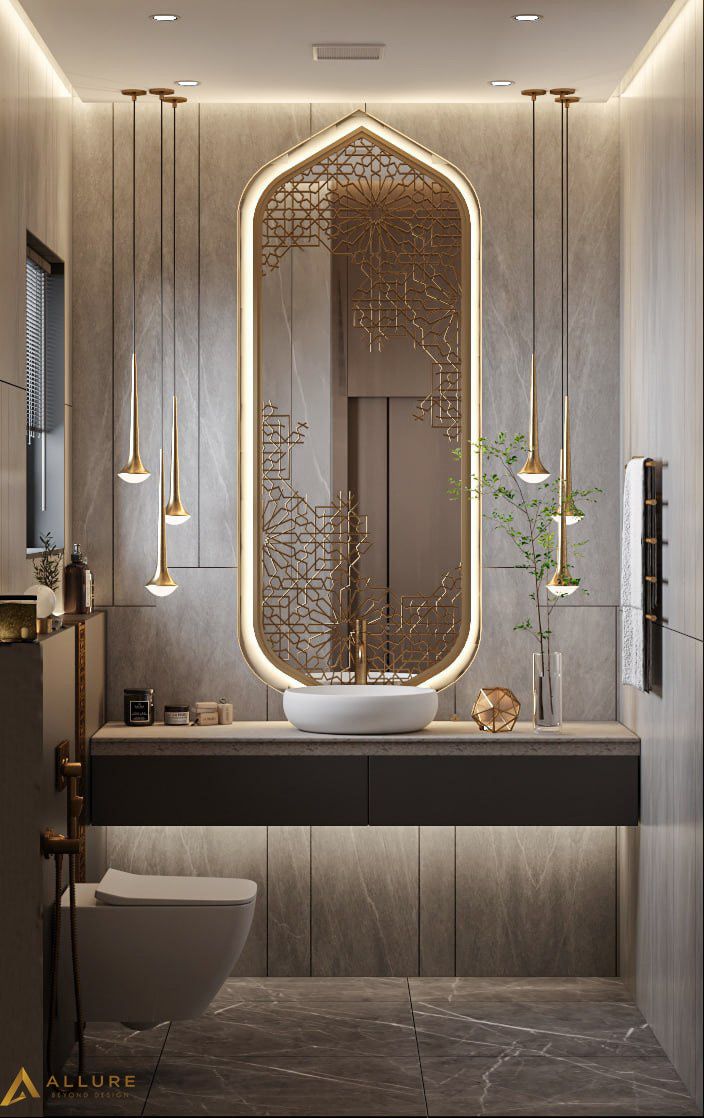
288, 894
11, 365
13, 516
93, 475
536, 901
364, 889
437, 901
660, 864
235, 142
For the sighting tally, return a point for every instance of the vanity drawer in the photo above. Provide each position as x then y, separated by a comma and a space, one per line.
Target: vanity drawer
222, 791
512, 790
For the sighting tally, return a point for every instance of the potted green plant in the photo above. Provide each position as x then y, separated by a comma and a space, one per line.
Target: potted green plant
526, 516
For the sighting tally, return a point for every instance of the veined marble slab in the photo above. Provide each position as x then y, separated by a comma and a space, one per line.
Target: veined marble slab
574, 738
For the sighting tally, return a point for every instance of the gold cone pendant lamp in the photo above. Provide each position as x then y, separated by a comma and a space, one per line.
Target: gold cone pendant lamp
572, 514
533, 471
134, 471
175, 510
562, 583
161, 583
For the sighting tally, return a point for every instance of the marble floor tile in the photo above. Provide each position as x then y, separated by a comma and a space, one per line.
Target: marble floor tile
375, 1085
110, 1049
494, 1017
258, 1018
330, 1046
514, 1085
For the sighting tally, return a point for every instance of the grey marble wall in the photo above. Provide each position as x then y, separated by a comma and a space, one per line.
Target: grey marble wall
661, 862
348, 900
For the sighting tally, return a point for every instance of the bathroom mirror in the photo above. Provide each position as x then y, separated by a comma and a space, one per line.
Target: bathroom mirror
359, 373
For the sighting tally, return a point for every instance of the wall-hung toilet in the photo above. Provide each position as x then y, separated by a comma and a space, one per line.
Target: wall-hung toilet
153, 948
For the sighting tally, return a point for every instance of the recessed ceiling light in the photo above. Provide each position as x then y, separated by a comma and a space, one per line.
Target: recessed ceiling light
527, 18
501, 82
163, 18
188, 81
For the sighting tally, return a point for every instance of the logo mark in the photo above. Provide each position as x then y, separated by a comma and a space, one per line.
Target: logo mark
15, 1092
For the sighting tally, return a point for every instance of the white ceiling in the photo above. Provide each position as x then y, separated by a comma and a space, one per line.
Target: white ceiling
261, 50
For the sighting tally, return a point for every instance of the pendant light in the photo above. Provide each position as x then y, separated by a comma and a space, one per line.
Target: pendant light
562, 583
175, 510
134, 471
533, 470
572, 514
161, 583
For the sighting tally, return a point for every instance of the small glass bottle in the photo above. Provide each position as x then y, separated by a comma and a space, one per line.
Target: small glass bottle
78, 584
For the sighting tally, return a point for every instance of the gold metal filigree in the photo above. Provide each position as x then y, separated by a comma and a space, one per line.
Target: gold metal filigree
403, 228
313, 593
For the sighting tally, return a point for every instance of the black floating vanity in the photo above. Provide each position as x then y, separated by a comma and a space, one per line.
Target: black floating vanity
451, 773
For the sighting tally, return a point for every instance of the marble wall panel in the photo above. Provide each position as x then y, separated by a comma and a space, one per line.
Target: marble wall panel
91, 310
364, 901
437, 900
154, 647
289, 900
660, 864
183, 542
136, 506
235, 142
536, 900
584, 634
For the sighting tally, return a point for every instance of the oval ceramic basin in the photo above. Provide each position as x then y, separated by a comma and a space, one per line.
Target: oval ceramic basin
338, 708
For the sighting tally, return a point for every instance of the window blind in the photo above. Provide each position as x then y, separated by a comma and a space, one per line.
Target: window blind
36, 350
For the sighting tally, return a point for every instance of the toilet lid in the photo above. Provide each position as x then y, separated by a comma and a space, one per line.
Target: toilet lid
120, 888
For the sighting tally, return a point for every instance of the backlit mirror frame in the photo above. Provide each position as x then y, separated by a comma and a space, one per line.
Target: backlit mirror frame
269, 668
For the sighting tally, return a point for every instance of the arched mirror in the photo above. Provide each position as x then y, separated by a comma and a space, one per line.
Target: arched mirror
359, 372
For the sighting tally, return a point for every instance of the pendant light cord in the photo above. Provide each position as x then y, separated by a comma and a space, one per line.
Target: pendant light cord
173, 292
533, 218
134, 225
567, 248
161, 250
562, 255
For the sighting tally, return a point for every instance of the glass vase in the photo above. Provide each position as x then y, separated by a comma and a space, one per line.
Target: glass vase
547, 690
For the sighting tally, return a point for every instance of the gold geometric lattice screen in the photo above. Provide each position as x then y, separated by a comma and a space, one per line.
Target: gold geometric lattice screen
402, 227
312, 592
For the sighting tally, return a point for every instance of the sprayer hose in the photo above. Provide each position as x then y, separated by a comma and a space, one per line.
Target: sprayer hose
55, 945
74, 958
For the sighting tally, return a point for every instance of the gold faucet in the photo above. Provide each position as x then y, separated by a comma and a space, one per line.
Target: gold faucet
360, 651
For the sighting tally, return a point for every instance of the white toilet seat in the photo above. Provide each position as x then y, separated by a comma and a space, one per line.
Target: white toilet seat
120, 888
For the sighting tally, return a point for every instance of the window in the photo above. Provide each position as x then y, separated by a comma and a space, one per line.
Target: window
45, 395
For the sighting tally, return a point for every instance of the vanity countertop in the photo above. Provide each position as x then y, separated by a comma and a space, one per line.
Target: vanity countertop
440, 738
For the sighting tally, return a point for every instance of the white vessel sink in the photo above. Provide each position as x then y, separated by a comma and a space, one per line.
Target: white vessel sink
339, 708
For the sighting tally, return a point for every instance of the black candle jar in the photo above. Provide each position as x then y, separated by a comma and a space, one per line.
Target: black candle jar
139, 706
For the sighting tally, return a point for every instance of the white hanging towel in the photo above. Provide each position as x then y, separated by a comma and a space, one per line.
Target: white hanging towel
632, 603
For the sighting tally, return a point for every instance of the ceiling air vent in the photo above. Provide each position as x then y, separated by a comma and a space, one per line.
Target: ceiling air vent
347, 52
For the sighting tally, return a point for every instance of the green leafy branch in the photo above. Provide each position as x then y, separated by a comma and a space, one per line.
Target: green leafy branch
525, 516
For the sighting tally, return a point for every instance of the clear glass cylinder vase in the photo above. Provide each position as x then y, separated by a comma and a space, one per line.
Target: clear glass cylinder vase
547, 690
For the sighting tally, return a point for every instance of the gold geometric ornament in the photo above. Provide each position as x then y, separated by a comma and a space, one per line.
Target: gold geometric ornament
496, 709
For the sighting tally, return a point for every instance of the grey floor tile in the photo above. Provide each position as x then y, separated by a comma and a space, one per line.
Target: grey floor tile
283, 1086
543, 990
513, 1085
495, 1017
110, 1050
304, 1017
